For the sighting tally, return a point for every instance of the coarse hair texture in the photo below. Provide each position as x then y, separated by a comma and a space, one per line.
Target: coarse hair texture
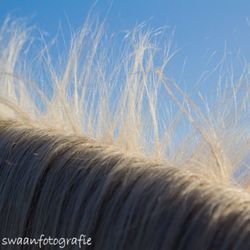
89, 144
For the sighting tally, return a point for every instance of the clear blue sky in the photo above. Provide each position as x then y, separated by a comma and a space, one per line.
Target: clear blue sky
201, 27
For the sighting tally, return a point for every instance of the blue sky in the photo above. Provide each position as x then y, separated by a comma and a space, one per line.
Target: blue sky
202, 28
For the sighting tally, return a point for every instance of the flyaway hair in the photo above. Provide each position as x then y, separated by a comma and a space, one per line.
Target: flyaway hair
90, 143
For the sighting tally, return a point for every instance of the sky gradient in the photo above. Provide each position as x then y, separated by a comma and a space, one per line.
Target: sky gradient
203, 29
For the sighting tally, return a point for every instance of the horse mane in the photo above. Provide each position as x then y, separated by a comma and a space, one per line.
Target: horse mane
85, 155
